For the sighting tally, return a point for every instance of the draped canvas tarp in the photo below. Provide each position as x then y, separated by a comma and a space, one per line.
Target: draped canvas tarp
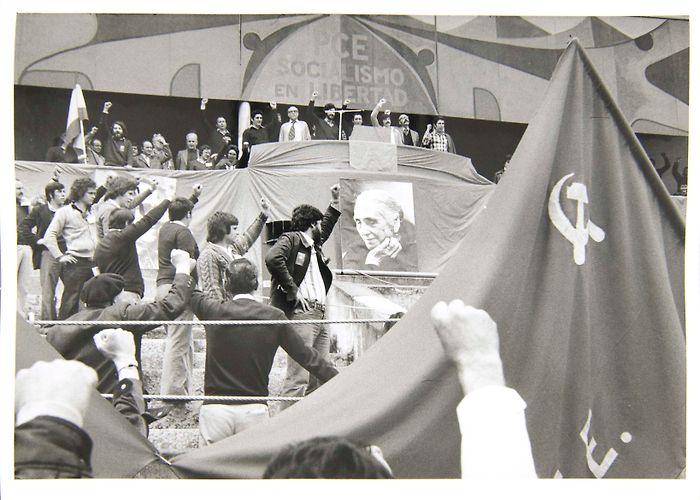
447, 192
118, 449
583, 274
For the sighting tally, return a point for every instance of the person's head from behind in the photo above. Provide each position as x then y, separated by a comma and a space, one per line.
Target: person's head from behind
191, 140
241, 277
120, 218
357, 119
55, 193
104, 290
257, 118
326, 458
306, 217
378, 216
180, 209
82, 191
222, 227
122, 189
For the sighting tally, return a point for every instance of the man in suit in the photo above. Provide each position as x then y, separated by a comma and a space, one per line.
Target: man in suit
300, 281
295, 129
239, 357
187, 159
146, 159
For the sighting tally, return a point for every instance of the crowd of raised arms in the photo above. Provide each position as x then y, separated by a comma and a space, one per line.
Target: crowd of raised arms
213, 280
109, 143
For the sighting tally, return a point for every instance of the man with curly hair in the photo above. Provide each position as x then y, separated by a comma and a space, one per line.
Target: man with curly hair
224, 244
122, 192
70, 222
300, 281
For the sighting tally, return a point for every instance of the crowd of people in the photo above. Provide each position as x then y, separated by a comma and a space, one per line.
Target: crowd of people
52, 399
102, 281
108, 143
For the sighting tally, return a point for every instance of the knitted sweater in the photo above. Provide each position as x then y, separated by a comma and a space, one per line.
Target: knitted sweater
213, 261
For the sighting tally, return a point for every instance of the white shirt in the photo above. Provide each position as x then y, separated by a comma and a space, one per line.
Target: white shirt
312, 287
495, 442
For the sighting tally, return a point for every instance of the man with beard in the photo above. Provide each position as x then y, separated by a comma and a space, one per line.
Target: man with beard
116, 147
326, 129
300, 281
70, 222
40, 218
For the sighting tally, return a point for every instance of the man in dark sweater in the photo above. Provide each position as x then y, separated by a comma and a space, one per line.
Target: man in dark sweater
259, 132
49, 269
116, 148
239, 358
178, 358
116, 252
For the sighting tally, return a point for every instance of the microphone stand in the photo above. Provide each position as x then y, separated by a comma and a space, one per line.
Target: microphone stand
340, 119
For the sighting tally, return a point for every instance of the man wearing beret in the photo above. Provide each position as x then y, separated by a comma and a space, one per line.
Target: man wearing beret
105, 301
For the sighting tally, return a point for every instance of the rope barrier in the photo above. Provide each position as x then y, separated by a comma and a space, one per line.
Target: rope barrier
238, 399
389, 274
217, 322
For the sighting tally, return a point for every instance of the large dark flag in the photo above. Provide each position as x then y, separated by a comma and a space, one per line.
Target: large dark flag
579, 258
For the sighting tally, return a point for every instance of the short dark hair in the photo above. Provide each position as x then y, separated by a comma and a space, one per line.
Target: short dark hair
119, 185
325, 458
438, 118
179, 208
305, 216
79, 187
203, 147
51, 187
328, 106
256, 112
219, 225
241, 276
120, 217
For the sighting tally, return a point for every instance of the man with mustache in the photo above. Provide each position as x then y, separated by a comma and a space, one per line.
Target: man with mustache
325, 129
300, 281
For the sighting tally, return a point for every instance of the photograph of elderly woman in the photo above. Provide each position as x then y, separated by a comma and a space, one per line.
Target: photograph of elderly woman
377, 225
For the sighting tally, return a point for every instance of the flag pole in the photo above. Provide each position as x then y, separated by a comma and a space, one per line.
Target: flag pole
82, 134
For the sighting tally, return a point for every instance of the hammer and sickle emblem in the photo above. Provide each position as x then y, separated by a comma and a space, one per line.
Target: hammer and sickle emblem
578, 236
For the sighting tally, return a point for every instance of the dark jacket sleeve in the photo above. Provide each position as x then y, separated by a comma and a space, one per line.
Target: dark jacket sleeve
276, 262
306, 356
50, 447
128, 400
139, 228
25, 234
328, 223
165, 309
311, 115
